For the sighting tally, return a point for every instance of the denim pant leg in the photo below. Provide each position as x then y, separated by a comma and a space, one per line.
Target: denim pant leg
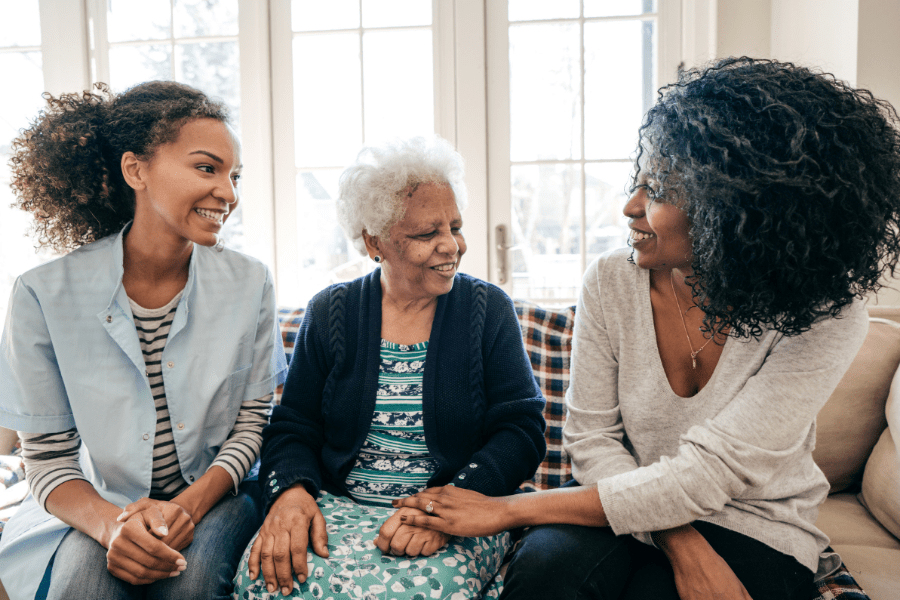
79, 571
570, 561
219, 542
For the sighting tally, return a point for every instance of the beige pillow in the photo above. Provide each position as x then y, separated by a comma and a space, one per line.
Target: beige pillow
853, 418
881, 484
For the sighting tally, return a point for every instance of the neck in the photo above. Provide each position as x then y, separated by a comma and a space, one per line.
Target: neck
155, 258
402, 303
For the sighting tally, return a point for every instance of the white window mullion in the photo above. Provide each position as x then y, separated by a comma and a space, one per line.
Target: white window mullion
64, 45
257, 182
287, 253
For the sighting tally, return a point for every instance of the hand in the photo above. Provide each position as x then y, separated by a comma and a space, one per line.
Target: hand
168, 521
137, 557
293, 521
700, 573
456, 511
400, 539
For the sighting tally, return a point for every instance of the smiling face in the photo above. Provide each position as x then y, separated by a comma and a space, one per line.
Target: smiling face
187, 189
660, 233
424, 249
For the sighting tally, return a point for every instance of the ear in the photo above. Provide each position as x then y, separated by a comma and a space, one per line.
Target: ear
372, 244
133, 170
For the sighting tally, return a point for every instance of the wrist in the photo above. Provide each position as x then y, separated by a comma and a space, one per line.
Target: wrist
678, 541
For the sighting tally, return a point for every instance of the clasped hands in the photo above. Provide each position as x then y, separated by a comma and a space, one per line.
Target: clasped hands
295, 522
146, 541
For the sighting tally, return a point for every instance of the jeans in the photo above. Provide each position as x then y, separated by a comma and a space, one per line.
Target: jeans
78, 569
570, 561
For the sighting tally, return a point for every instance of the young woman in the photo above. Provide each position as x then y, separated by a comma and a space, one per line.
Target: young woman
766, 202
139, 367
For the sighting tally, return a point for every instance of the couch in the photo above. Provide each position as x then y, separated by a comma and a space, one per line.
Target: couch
854, 448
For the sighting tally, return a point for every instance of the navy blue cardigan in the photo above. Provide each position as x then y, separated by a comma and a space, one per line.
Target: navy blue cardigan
482, 408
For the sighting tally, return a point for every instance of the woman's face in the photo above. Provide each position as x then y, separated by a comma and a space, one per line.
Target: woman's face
189, 186
425, 247
660, 233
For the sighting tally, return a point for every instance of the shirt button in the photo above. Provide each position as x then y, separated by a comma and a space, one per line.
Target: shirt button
109, 318
181, 426
170, 364
473, 465
191, 478
146, 436
462, 476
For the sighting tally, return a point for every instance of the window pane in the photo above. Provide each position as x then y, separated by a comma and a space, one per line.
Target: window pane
545, 91
396, 13
399, 88
605, 225
529, 10
327, 104
325, 254
546, 222
614, 8
128, 20
213, 68
194, 18
617, 91
130, 65
21, 23
17, 109
316, 15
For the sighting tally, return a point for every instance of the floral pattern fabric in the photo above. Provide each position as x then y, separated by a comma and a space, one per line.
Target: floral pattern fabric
466, 568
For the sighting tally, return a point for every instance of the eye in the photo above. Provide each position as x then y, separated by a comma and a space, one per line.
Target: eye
456, 230
207, 168
427, 236
236, 177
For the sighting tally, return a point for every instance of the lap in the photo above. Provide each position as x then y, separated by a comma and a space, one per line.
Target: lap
79, 569
356, 568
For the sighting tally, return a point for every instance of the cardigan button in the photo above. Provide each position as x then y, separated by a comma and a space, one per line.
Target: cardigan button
462, 476
473, 465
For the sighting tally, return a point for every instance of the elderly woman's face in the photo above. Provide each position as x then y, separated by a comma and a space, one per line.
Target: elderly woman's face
660, 233
425, 247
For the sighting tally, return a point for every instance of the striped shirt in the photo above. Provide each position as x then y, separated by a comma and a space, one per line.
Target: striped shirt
52, 459
394, 460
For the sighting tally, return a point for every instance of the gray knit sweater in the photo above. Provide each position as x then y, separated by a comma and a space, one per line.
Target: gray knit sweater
738, 454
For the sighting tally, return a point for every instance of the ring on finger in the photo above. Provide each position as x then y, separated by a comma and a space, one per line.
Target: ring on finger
429, 508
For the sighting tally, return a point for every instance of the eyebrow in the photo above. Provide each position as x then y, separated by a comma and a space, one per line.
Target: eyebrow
215, 158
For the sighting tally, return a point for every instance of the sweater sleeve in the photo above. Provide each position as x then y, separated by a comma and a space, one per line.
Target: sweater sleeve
594, 435
513, 429
293, 440
735, 454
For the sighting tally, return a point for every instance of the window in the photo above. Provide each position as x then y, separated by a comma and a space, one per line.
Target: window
577, 78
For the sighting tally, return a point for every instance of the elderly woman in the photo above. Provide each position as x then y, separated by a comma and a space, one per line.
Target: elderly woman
412, 376
765, 204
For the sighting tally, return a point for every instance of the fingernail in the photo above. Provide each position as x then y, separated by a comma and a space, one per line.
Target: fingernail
252, 575
181, 562
163, 530
395, 502
403, 518
270, 587
174, 573
376, 537
285, 591
181, 568
120, 517
301, 578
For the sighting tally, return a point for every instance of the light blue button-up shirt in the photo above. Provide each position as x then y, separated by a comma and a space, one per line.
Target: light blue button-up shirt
70, 357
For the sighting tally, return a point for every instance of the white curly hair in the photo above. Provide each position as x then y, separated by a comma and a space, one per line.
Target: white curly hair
372, 189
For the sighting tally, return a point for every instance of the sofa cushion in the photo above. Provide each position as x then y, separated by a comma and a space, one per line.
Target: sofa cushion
853, 418
548, 341
881, 484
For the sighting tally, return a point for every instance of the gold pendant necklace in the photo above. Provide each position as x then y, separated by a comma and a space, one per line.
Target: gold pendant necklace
694, 353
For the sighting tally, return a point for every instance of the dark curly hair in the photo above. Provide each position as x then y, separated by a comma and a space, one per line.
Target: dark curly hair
791, 181
66, 167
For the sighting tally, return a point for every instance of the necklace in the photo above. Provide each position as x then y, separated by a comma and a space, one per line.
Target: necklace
694, 353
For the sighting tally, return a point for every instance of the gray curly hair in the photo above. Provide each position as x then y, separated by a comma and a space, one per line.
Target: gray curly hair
372, 189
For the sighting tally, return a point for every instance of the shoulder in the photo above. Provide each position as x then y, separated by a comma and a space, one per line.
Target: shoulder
612, 274
233, 264
341, 294
91, 267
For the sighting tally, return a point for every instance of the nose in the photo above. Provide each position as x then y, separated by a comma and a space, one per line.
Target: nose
636, 206
448, 244
227, 192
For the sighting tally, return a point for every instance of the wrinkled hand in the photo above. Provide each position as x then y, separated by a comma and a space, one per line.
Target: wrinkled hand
138, 557
397, 538
168, 521
457, 511
700, 573
293, 522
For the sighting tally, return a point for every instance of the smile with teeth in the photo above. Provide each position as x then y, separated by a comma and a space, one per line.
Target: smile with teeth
444, 268
639, 236
210, 214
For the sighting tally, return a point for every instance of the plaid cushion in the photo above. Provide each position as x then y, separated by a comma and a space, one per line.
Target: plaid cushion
547, 334
289, 319
548, 341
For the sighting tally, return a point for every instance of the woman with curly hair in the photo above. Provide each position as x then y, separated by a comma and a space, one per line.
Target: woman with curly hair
764, 205
139, 367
